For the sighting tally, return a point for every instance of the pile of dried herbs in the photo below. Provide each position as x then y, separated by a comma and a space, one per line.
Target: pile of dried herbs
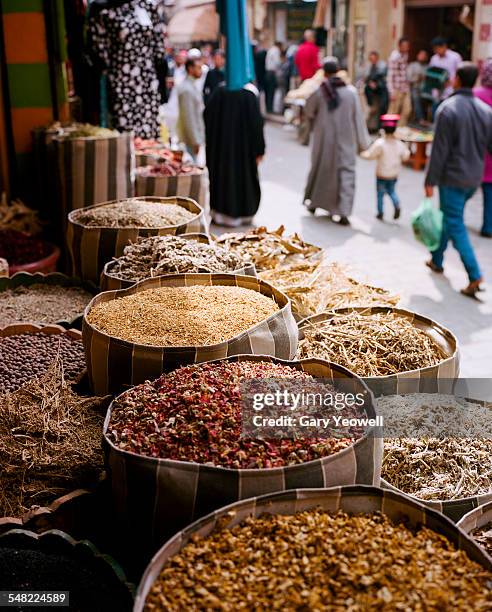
370, 344
268, 250
50, 442
158, 255
483, 536
196, 315
194, 414
319, 561
316, 287
134, 213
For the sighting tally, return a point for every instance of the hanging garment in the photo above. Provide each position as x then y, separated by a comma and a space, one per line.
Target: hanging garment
129, 42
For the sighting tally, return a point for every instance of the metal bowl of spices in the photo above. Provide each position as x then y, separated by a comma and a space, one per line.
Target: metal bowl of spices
319, 549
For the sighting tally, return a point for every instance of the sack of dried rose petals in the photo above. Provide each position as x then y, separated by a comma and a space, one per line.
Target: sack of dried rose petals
97, 234
478, 524
135, 334
352, 547
174, 445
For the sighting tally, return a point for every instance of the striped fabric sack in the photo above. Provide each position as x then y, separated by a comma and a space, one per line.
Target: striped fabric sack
94, 170
154, 498
145, 159
195, 186
91, 248
110, 282
350, 499
115, 364
431, 379
479, 517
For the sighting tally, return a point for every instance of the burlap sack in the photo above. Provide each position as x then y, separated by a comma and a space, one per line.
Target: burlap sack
92, 247
195, 186
351, 499
154, 498
115, 364
109, 282
424, 380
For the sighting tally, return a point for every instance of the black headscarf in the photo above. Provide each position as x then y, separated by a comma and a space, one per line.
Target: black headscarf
329, 89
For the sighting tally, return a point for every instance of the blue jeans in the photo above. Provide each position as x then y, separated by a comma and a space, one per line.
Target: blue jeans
453, 202
487, 208
386, 186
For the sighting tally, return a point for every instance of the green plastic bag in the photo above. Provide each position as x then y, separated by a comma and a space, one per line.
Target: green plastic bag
427, 224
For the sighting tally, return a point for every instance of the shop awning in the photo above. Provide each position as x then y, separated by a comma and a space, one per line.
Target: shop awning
194, 23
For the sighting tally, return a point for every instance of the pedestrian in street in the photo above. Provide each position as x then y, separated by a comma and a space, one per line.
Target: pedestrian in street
307, 56
215, 76
390, 153
375, 89
463, 135
339, 131
259, 59
283, 82
272, 63
484, 93
191, 129
235, 147
398, 84
416, 76
447, 60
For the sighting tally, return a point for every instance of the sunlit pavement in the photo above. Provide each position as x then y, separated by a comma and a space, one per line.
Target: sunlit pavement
384, 254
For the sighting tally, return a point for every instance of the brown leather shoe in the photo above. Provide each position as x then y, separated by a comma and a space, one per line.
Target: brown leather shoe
473, 288
430, 264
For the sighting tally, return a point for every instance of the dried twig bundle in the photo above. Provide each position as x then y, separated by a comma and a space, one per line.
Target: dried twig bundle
377, 344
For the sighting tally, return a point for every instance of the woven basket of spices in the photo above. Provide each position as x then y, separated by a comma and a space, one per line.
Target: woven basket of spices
374, 548
161, 483
478, 524
97, 234
394, 350
135, 334
160, 255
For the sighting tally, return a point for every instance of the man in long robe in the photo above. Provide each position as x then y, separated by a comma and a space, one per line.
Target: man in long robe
339, 132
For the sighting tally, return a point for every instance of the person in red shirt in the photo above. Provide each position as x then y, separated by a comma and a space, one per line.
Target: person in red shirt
307, 56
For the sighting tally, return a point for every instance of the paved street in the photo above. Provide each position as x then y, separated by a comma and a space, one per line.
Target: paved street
384, 254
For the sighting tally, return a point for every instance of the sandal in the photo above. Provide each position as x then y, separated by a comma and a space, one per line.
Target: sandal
430, 264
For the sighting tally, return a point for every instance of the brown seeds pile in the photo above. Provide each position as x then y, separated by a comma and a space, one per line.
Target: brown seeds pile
197, 315
134, 213
483, 536
319, 561
158, 255
42, 303
50, 442
370, 344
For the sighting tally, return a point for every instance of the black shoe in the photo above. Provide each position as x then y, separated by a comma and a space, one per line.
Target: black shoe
379, 216
397, 213
486, 234
312, 211
344, 221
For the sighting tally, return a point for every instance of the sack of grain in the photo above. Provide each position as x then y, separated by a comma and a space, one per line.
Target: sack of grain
214, 330
181, 491
91, 246
396, 351
331, 560
111, 280
193, 185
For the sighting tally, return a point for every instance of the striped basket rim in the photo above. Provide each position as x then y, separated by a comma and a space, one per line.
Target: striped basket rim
473, 519
408, 314
191, 465
23, 328
186, 203
159, 281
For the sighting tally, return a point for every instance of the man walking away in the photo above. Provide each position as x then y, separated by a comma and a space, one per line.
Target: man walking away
272, 64
398, 84
339, 130
307, 56
447, 60
463, 134
191, 129
215, 76
375, 90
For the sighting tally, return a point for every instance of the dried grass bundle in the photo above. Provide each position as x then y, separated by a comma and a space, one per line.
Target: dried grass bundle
316, 287
50, 442
17, 216
376, 344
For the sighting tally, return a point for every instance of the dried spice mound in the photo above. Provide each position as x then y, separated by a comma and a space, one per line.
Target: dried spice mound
318, 561
438, 468
135, 213
50, 442
370, 344
182, 316
40, 303
158, 255
19, 248
194, 414
483, 536
24, 356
